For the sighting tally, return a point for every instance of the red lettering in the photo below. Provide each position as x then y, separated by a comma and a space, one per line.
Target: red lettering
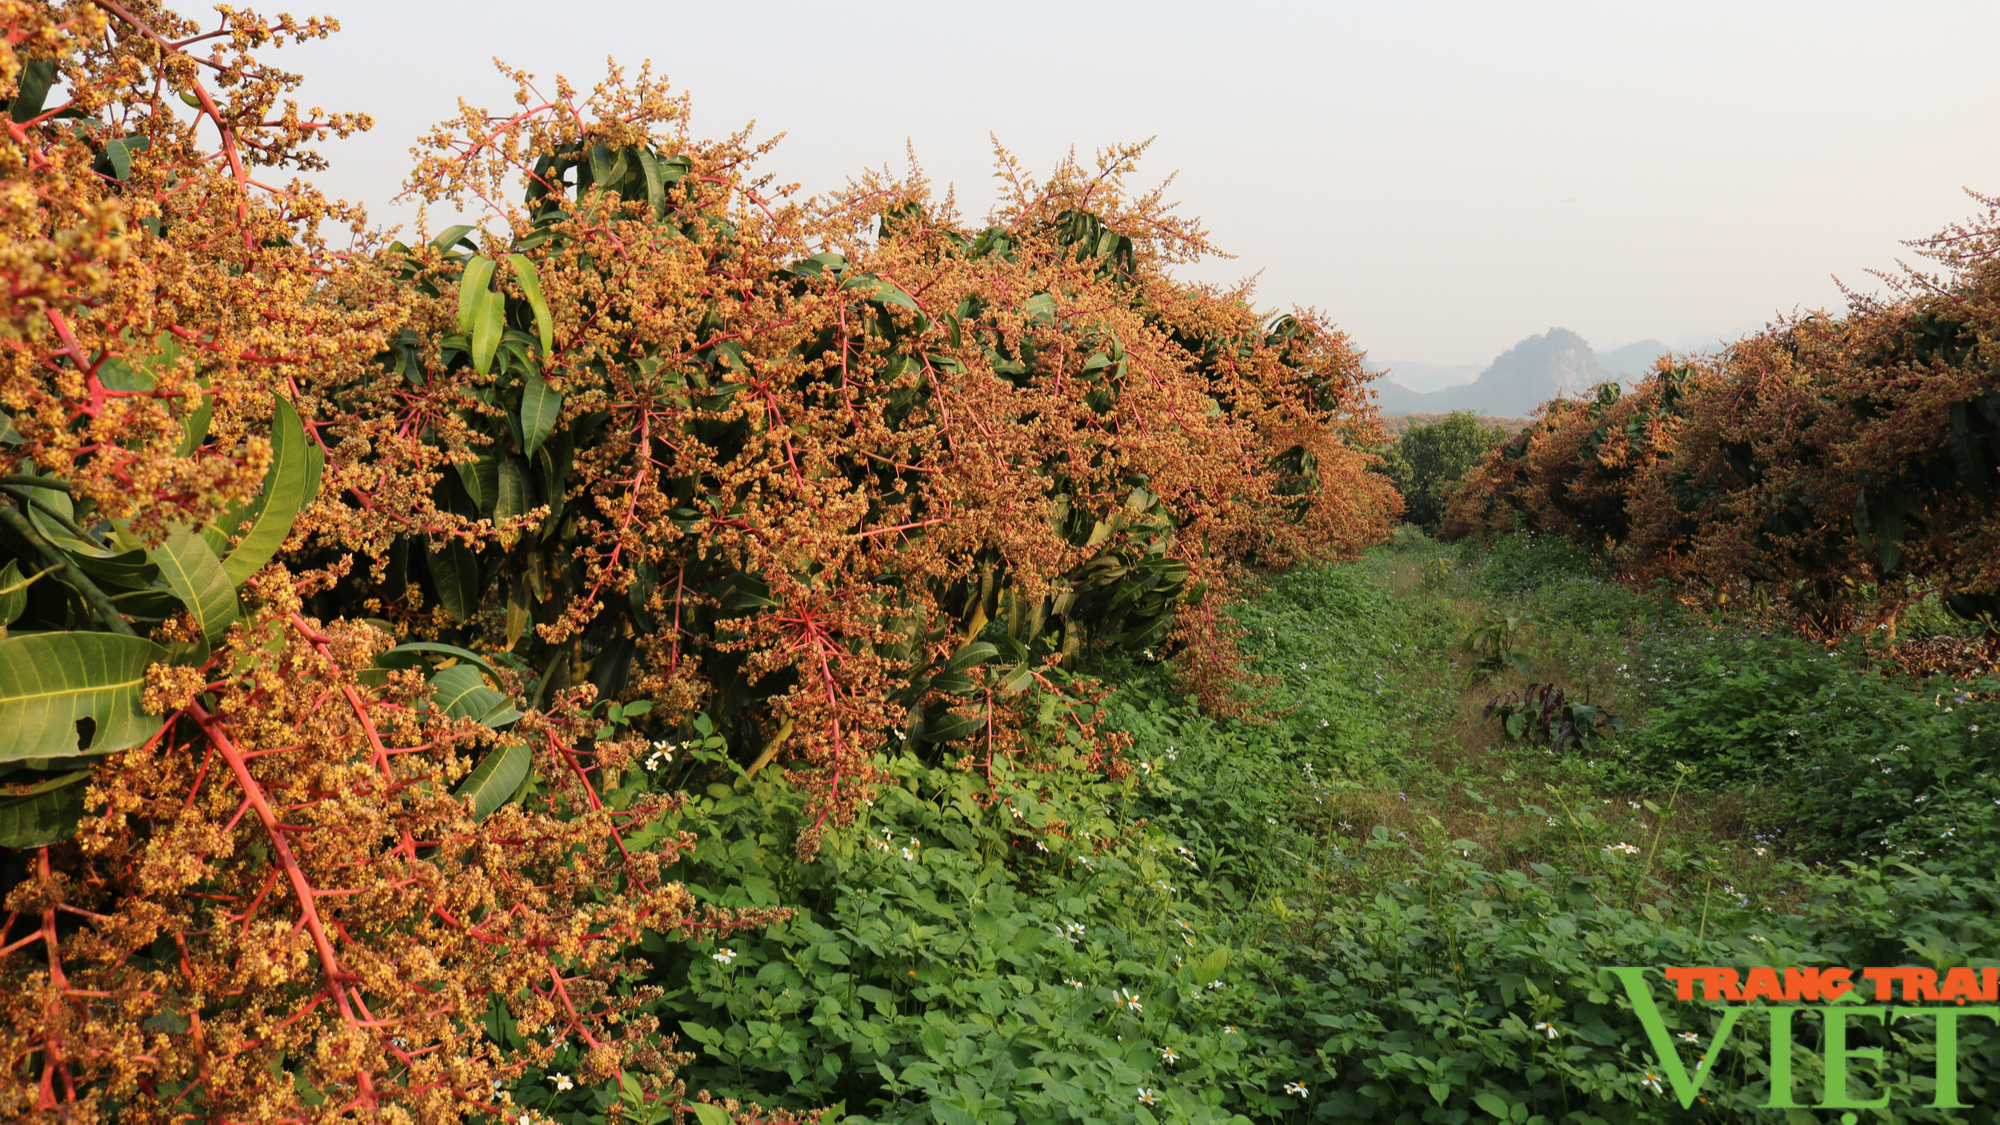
1718, 979
1960, 985
1763, 984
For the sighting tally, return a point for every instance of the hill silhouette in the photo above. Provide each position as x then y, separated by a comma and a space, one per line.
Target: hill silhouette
1558, 362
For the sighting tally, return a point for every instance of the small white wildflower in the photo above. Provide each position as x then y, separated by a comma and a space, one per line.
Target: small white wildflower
1296, 1089
1651, 1081
1547, 1029
724, 955
1168, 1056
1072, 982
562, 1082
908, 854
1689, 1037
1146, 1097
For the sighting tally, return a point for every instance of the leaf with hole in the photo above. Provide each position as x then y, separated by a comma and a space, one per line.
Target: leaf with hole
52, 682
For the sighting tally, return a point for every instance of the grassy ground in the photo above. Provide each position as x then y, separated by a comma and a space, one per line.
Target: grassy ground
1373, 904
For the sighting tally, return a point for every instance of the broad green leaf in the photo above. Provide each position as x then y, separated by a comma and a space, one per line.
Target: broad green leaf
951, 726
133, 569
531, 287
194, 428
198, 579
489, 323
972, 655
540, 407
455, 573
453, 235
472, 290
884, 291
51, 681
412, 654
460, 692
13, 592
42, 813
511, 491
481, 479
285, 494
36, 76
656, 189
709, 1114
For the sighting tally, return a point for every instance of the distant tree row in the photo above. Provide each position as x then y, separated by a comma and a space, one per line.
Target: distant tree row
1835, 467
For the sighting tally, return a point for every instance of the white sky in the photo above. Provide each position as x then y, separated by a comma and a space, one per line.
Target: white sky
1442, 179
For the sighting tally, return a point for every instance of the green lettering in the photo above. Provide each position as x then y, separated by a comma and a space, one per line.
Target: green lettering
1685, 1089
1837, 1052
1781, 1060
1947, 1048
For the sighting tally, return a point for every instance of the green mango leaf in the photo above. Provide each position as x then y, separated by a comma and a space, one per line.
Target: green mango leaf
51, 681
455, 573
951, 726
452, 236
37, 75
495, 781
413, 654
972, 655
531, 287
461, 692
472, 290
133, 570
14, 592
194, 428
489, 323
511, 491
44, 812
198, 579
540, 407
882, 291
288, 488
656, 188
481, 479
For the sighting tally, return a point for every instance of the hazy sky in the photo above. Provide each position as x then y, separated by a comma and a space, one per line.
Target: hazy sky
1441, 179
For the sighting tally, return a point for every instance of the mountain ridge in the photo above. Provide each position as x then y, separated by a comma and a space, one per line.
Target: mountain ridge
1556, 363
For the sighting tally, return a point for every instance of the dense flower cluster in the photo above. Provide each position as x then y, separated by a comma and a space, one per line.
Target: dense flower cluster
657, 459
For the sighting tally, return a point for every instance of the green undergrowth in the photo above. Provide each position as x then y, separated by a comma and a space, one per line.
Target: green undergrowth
1371, 903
